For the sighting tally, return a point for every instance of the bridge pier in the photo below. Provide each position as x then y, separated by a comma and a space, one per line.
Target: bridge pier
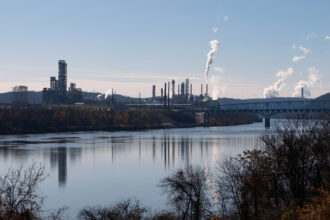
267, 122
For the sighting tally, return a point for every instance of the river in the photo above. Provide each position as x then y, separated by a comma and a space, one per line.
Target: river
99, 168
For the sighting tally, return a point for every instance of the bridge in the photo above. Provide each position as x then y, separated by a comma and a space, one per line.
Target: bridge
267, 109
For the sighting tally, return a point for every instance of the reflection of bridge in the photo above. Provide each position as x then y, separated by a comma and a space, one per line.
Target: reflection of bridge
270, 108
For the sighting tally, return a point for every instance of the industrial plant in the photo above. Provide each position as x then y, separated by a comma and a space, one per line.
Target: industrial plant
58, 93
179, 93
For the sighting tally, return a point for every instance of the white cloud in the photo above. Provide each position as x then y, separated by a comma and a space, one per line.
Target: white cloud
215, 29
225, 18
297, 58
327, 37
304, 50
219, 69
310, 36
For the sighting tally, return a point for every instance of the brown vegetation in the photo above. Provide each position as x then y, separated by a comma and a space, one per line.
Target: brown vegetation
279, 181
61, 119
19, 198
187, 192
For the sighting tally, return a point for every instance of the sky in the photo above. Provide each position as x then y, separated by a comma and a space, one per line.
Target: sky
130, 45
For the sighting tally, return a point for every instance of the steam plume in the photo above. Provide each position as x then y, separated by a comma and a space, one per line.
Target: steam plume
217, 87
274, 90
313, 79
298, 58
214, 47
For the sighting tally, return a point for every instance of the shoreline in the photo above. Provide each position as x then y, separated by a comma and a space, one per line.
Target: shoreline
128, 129
40, 121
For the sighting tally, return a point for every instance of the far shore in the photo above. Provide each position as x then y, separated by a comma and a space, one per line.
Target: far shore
38, 121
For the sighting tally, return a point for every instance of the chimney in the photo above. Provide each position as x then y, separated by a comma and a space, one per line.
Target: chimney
207, 90
302, 92
165, 95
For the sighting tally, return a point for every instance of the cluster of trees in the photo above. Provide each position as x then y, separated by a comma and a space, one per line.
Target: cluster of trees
287, 179
16, 121
78, 119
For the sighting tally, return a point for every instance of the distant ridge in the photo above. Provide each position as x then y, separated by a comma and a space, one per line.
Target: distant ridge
326, 96
322, 102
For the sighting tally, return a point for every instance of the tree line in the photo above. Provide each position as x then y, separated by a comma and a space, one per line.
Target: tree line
61, 119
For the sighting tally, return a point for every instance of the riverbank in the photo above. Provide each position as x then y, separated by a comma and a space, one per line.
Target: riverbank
26, 121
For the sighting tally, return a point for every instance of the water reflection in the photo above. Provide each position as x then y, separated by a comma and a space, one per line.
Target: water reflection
168, 148
121, 164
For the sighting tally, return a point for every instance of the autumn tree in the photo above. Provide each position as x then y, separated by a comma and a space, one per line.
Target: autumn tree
18, 192
186, 189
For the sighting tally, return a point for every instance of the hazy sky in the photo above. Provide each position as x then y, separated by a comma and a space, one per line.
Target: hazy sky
130, 45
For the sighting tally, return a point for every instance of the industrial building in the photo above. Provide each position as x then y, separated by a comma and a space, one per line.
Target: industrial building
20, 96
58, 92
184, 95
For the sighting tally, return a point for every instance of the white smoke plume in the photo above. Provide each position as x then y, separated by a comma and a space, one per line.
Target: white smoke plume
327, 37
298, 58
100, 97
219, 69
216, 87
274, 90
108, 93
313, 79
214, 47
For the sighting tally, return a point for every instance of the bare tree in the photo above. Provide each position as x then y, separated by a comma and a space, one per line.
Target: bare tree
187, 191
57, 214
266, 183
301, 147
18, 191
126, 209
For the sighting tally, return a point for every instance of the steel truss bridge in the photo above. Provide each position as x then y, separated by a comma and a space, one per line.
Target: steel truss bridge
267, 109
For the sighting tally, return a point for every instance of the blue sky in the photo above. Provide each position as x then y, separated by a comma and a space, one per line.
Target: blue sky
130, 45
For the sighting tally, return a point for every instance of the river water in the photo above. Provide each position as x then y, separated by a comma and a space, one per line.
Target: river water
99, 168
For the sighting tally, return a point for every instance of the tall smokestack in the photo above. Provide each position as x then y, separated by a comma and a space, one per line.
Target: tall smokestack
153, 92
178, 88
161, 92
207, 90
190, 89
182, 88
173, 87
201, 88
165, 95
187, 87
168, 96
302, 92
